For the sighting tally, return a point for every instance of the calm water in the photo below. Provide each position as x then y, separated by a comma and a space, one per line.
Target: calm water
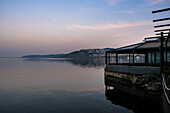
55, 86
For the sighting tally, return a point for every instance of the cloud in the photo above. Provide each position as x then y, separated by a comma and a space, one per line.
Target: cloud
119, 25
128, 12
69, 27
112, 2
90, 9
154, 2
63, 39
102, 11
18, 36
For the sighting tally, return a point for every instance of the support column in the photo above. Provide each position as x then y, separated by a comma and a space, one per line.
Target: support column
146, 58
154, 57
106, 58
133, 57
161, 54
167, 51
129, 58
109, 58
116, 58
151, 57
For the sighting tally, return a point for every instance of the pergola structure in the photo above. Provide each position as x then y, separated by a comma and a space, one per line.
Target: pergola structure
153, 51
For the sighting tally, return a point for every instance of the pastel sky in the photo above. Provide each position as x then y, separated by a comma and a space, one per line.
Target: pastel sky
61, 26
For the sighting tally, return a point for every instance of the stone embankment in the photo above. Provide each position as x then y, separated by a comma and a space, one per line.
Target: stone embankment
146, 81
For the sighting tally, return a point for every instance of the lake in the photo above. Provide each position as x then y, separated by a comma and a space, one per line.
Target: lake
56, 86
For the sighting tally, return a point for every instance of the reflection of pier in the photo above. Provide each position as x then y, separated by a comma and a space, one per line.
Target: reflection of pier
132, 98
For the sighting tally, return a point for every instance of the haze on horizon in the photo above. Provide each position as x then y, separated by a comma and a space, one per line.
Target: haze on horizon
61, 26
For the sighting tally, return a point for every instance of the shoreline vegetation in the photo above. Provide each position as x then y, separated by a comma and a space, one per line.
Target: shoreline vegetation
83, 53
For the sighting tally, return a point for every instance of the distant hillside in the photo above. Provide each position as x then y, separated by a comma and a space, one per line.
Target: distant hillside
44, 56
88, 53
83, 53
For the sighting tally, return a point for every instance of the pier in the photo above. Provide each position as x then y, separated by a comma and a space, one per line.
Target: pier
142, 68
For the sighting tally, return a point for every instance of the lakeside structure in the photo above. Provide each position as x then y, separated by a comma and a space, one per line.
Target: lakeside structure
148, 50
146, 56
145, 65
152, 52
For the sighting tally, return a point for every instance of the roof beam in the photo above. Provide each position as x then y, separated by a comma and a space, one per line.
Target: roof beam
165, 25
152, 37
162, 19
160, 33
162, 30
161, 10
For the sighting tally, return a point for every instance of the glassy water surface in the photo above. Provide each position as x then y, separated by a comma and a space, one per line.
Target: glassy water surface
54, 86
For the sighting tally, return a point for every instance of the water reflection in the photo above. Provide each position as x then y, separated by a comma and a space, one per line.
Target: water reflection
57, 86
83, 62
50, 86
131, 98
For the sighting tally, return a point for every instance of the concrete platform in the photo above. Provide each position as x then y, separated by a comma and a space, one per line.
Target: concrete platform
133, 69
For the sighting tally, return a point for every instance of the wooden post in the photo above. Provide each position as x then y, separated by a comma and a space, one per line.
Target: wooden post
116, 58
166, 55
129, 58
146, 58
133, 57
155, 57
151, 57
161, 54
166, 51
106, 58
109, 58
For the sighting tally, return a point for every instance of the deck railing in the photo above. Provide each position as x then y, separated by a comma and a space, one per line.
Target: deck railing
166, 90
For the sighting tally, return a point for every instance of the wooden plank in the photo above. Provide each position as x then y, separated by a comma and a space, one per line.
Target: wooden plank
163, 33
165, 25
162, 19
161, 10
162, 30
152, 37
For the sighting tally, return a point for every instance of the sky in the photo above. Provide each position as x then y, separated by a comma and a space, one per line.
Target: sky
62, 26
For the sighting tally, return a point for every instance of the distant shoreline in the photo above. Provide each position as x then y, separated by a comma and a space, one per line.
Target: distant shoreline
83, 53
10, 57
